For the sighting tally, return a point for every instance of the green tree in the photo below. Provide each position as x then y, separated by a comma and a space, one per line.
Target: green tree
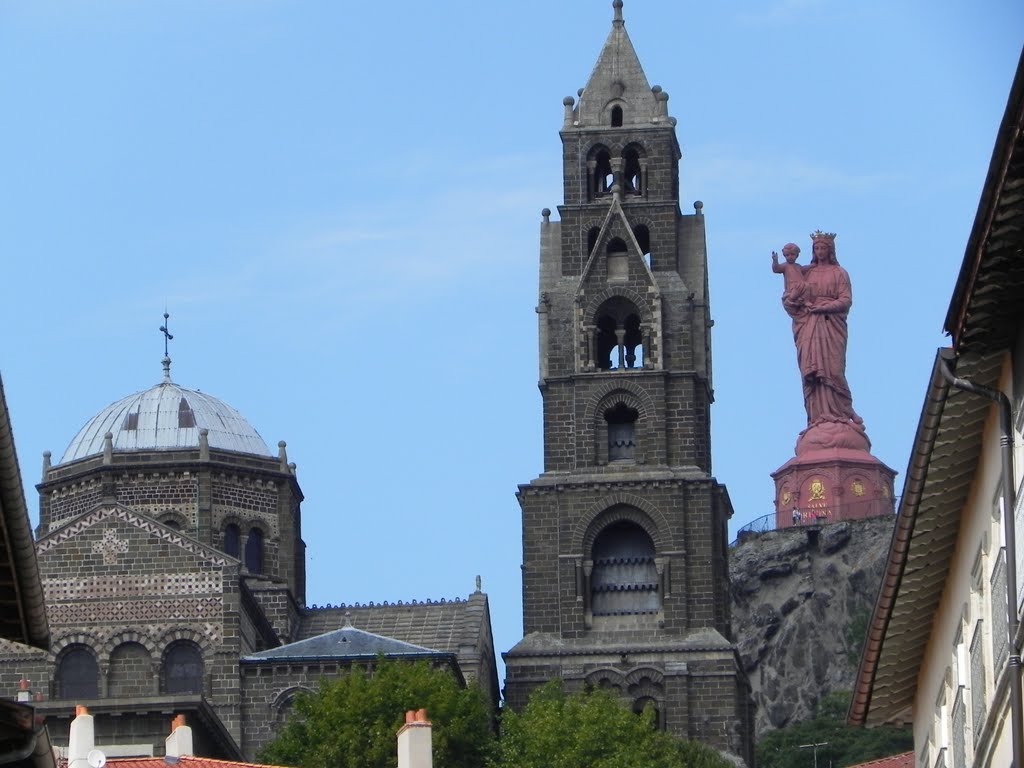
351, 721
846, 744
595, 730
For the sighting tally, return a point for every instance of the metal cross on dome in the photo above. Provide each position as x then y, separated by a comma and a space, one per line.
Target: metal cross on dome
165, 332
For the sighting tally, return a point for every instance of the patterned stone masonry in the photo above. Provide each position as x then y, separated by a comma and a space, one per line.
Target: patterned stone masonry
159, 491
105, 587
72, 500
141, 522
245, 494
135, 612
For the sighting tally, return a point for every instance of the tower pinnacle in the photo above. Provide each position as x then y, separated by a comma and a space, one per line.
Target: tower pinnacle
617, 5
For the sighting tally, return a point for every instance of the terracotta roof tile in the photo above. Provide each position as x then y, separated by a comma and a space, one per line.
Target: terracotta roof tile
905, 760
186, 761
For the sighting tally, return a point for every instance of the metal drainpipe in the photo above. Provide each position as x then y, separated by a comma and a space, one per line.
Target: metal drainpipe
1009, 533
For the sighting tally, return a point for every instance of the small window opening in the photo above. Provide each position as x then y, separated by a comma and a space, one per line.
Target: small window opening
616, 116
624, 581
254, 551
186, 416
131, 421
619, 338
621, 433
603, 177
183, 668
607, 344
171, 523
78, 675
632, 176
643, 239
232, 537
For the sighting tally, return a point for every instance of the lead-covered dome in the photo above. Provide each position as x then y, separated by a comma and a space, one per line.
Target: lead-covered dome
166, 417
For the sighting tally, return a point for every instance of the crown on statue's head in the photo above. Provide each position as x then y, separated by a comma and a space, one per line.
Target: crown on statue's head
819, 235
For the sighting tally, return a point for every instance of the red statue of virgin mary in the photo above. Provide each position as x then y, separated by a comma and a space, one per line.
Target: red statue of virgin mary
833, 460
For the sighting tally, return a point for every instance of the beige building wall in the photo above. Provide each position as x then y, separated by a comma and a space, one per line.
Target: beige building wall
961, 706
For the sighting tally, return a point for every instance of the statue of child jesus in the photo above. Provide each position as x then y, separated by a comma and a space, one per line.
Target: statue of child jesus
793, 275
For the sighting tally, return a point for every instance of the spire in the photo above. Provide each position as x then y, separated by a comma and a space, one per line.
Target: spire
618, 80
167, 338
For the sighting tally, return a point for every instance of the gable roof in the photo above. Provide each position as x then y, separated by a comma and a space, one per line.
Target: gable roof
988, 299
22, 611
985, 312
460, 628
113, 510
441, 625
345, 643
614, 212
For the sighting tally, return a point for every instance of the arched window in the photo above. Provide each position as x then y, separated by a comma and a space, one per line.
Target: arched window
632, 171
619, 338
643, 703
254, 551
621, 433
624, 580
183, 668
616, 116
602, 178
130, 672
78, 674
232, 537
171, 523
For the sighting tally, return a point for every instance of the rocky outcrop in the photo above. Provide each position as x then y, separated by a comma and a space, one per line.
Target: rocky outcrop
801, 599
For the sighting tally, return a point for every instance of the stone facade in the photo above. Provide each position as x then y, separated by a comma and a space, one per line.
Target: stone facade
625, 575
164, 566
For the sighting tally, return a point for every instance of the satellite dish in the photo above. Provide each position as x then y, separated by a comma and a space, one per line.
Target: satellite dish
96, 759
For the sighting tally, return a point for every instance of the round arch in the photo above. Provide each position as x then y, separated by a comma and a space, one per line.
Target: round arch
615, 508
606, 677
127, 636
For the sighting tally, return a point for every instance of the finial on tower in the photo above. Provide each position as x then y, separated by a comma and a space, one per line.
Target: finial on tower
167, 338
617, 5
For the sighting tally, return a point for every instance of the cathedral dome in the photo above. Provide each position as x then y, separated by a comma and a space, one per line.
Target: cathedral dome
166, 417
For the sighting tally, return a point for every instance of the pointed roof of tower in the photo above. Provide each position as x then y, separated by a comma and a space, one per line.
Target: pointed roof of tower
618, 79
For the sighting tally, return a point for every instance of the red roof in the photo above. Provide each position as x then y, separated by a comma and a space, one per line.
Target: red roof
906, 760
186, 761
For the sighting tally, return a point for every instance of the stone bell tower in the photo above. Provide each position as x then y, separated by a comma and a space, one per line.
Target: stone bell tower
625, 581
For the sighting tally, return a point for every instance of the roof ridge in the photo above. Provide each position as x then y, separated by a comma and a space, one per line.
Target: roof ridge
389, 604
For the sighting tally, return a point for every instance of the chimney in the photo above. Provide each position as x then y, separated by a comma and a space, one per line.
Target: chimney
415, 748
24, 694
82, 740
179, 743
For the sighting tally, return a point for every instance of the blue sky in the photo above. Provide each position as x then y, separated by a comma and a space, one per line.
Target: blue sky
339, 204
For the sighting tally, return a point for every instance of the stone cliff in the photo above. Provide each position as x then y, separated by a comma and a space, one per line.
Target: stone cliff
801, 599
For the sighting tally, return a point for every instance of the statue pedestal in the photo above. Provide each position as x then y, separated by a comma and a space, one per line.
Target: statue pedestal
833, 477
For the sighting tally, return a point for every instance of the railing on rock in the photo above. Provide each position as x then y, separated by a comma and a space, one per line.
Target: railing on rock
858, 510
